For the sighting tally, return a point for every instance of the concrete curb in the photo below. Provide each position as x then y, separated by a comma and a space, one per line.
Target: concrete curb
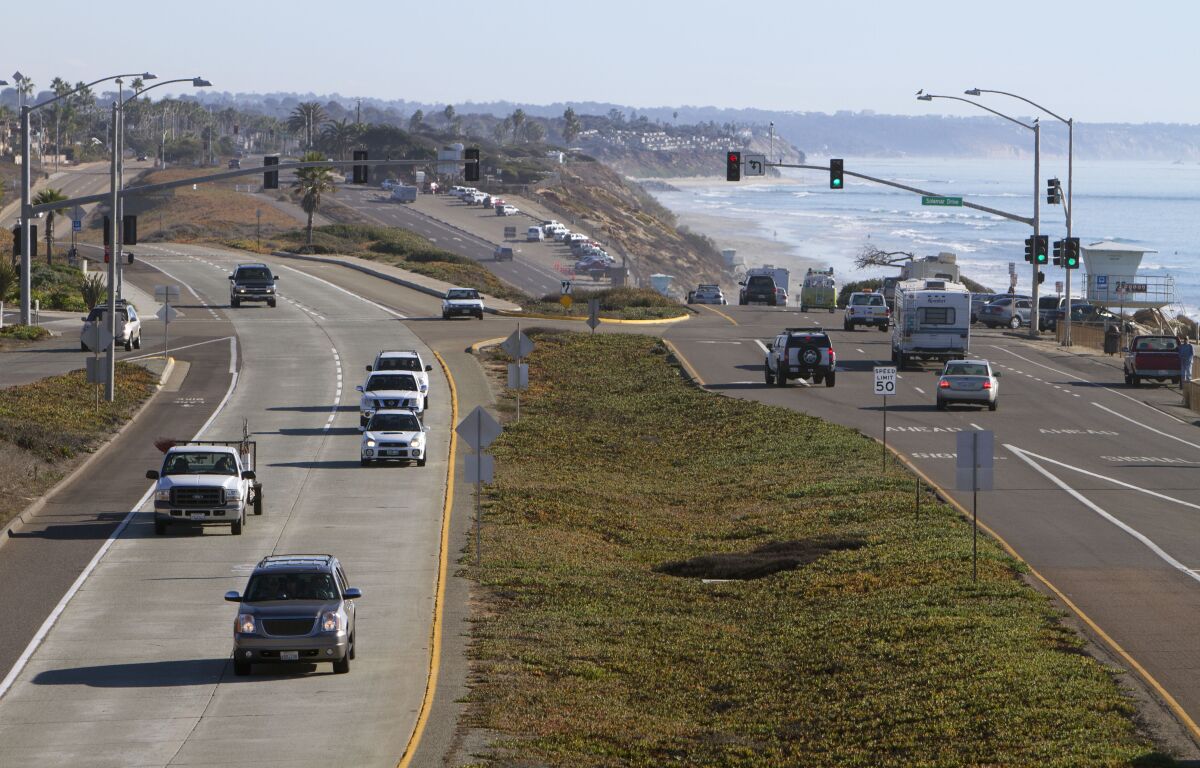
427, 290
479, 346
23, 517
609, 320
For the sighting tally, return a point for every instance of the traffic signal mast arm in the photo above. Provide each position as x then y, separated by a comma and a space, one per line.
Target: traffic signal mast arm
255, 171
1003, 214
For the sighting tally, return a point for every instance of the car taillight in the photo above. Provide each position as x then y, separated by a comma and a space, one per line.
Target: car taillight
987, 385
832, 355
944, 384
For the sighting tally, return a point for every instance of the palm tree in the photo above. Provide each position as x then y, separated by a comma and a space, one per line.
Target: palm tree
306, 117
534, 132
45, 197
310, 185
571, 125
448, 113
340, 135
518, 122
414, 122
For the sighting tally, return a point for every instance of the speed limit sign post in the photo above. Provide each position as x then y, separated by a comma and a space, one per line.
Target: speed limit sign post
885, 387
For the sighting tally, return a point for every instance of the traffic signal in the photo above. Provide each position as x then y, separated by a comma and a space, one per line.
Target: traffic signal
32, 240
835, 173
360, 171
129, 230
270, 178
471, 169
1029, 249
1071, 253
1053, 192
1041, 255
1058, 253
107, 232
1041, 277
733, 166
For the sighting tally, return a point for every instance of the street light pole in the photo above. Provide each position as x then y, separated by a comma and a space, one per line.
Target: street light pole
110, 358
1034, 331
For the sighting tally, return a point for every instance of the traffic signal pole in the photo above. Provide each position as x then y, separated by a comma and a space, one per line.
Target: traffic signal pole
26, 246
1035, 313
110, 358
1066, 339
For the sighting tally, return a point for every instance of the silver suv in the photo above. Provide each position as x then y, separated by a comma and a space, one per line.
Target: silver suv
297, 608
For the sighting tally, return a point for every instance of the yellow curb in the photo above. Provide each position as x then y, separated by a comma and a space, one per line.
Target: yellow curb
1113, 645
475, 348
719, 312
435, 639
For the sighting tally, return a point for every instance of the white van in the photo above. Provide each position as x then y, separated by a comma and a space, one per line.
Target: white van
534, 235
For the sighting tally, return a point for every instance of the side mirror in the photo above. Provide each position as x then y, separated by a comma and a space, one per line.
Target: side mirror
429, 368
233, 597
424, 429
370, 368
352, 593
84, 319
742, 283
231, 277
997, 374
248, 474
359, 388
275, 278
151, 474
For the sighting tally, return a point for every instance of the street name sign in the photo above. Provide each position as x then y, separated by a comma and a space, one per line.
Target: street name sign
885, 380
940, 200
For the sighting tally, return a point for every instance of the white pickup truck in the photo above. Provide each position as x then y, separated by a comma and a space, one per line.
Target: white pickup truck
206, 482
866, 308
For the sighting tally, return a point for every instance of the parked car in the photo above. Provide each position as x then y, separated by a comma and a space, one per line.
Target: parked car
1090, 314
1011, 311
1152, 357
978, 300
296, 608
781, 296
235, 163
389, 183
968, 381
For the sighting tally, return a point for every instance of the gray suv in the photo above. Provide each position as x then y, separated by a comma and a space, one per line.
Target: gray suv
297, 608
252, 282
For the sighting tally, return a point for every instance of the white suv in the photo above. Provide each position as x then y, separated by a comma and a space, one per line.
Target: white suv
801, 353
387, 389
408, 361
129, 325
393, 434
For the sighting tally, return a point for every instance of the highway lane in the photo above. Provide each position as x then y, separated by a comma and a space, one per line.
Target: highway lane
125, 680
89, 179
1095, 488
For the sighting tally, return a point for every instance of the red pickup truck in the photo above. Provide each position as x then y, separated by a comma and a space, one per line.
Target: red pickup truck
1152, 357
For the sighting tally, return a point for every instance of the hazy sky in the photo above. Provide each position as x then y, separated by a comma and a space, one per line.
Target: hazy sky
1096, 61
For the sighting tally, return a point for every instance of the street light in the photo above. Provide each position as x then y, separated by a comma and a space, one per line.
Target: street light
1037, 170
1070, 121
26, 184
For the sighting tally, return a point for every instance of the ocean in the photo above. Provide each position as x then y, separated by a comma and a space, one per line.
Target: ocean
1150, 205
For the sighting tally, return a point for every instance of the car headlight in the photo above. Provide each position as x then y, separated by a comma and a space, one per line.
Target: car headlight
369, 443
417, 441
424, 387
233, 494
245, 624
332, 621
241, 290
162, 495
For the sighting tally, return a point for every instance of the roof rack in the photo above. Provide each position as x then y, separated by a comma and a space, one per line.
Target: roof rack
805, 329
397, 352
295, 560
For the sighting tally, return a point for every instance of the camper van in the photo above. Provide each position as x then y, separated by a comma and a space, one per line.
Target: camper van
818, 291
931, 321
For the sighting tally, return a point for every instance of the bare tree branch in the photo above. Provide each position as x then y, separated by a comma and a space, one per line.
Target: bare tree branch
870, 256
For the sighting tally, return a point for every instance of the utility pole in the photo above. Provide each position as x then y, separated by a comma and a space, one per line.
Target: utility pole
26, 182
1066, 339
110, 361
119, 209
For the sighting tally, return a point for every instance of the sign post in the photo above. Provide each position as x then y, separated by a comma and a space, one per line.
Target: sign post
479, 430
885, 386
973, 472
593, 314
167, 313
518, 346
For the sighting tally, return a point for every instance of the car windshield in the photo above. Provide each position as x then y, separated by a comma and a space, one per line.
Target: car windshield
253, 273
965, 369
1000, 303
462, 293
391, 381
265, 587
867, 300
399, 364
199, 463
394, 422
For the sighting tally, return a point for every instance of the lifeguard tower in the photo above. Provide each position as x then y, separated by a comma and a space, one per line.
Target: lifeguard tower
1113, 281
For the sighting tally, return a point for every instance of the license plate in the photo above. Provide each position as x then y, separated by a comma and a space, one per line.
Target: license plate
391, 453
198, 515
289, 655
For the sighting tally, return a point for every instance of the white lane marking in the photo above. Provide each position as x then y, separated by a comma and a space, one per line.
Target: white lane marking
923, 392
860, 351
1021, 454
391, 312
1106, 478
190, 289
52, 619
337, 397
973, 424
763, 347
176, 349
1145, 426
718, 342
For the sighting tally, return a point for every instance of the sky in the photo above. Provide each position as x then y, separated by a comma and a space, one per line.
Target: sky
1098, 61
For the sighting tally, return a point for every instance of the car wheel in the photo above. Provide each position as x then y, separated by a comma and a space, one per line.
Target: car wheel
818, 377
425, 407
1137, 381
992, 405
236, 526
768, 376
941, 405
235, 303
83, 347
803, 308
445, 316
129, 345
241, 668
830, 378
847, 327
421, 462
1015, 322
137, 343
160, 527
364, 462
271, 303
1128, 379
343, 666
353, 652
741, 303
258, 500
884, 327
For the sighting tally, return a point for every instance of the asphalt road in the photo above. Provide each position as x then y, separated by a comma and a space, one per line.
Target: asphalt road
1094, 483
135, 670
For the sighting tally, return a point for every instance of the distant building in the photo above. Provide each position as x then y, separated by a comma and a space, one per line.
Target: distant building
449, 160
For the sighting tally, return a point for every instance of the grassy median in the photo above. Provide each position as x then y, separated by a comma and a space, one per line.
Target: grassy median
47, 427
841, 632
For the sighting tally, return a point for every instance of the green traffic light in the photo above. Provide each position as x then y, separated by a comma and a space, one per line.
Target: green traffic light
837, 182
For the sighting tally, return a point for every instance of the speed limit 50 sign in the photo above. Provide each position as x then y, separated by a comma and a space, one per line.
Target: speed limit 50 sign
885, 380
